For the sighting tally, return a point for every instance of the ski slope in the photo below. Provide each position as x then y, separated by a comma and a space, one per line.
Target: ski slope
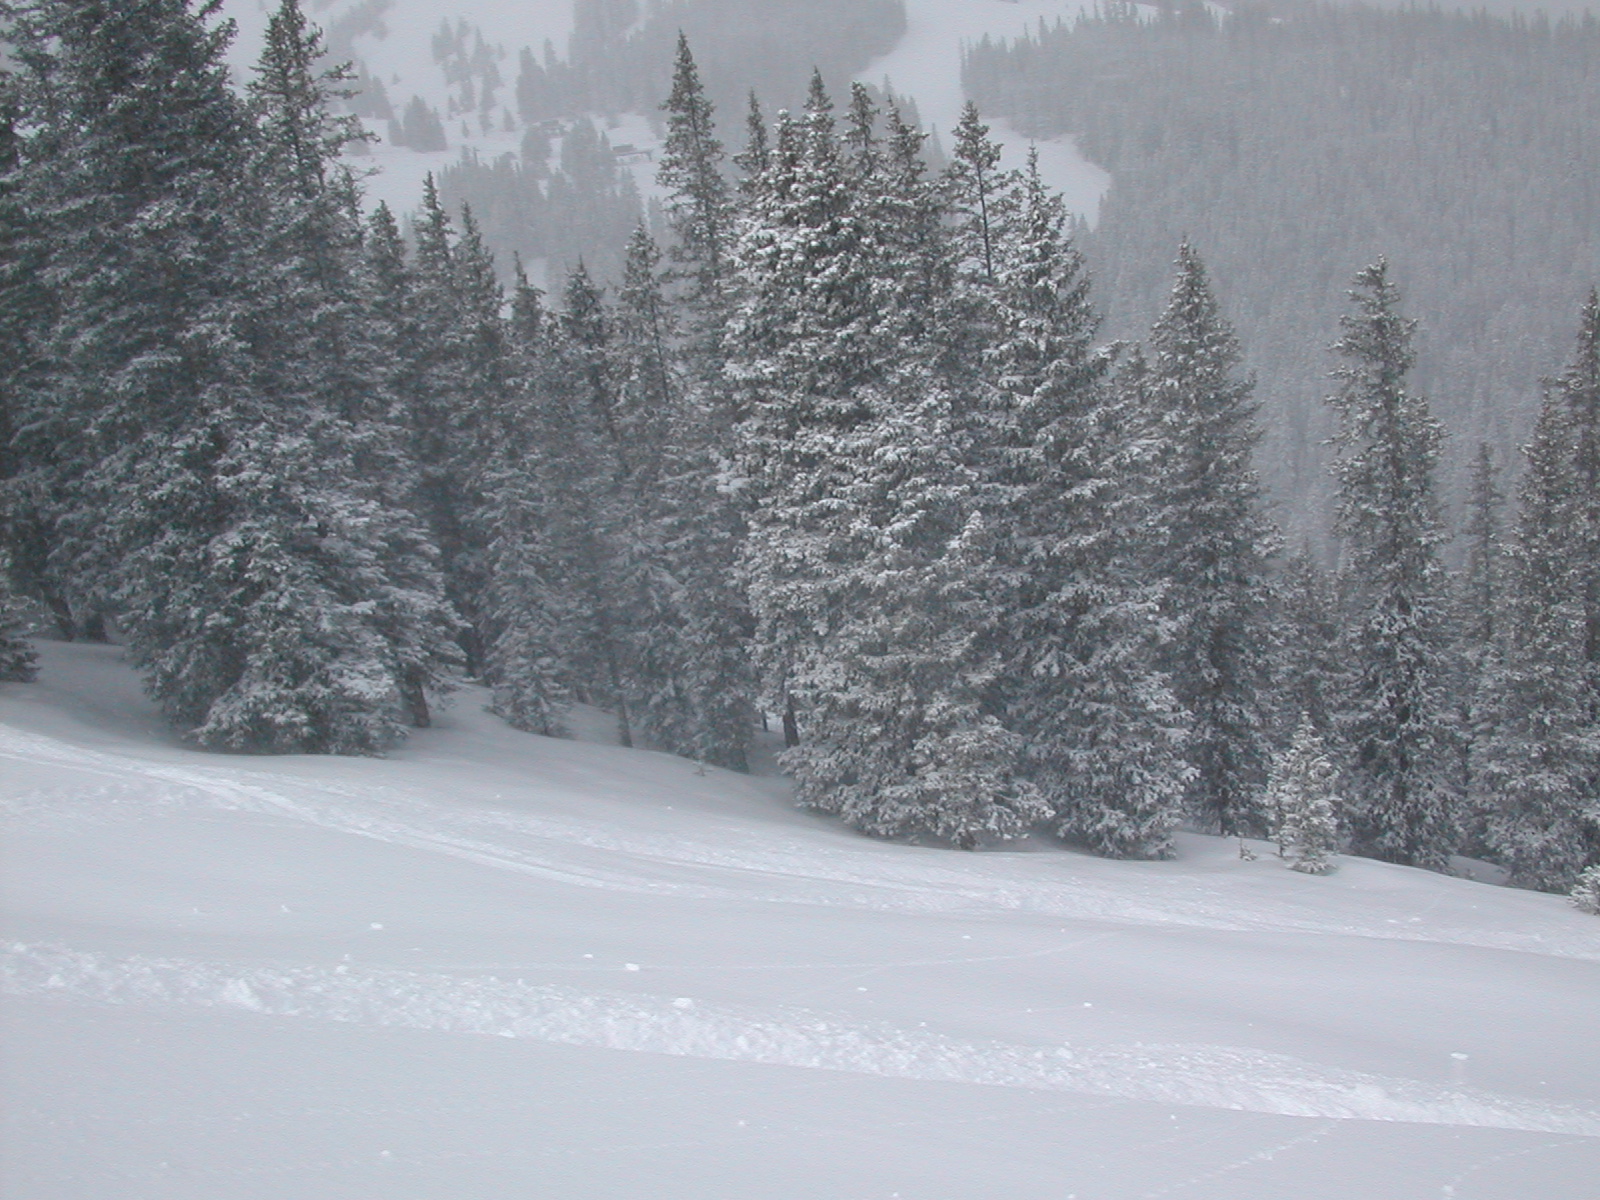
926, 65
498, 965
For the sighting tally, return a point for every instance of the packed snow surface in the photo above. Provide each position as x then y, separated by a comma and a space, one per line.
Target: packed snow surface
499, 965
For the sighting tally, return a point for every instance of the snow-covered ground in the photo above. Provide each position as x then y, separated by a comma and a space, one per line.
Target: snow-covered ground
497, 965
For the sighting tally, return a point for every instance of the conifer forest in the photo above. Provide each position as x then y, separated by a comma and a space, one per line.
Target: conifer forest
833, 437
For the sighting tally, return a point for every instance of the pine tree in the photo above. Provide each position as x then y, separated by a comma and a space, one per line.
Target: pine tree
531, 611
866, 543
1215, 544
18, 662
127, 171
1541, 763
981, 196
1393, 714
458, 390
698, 207
1579, 387
1586, 892
1307, 638
320, 345
1477, 631
1302, 804
1081, 683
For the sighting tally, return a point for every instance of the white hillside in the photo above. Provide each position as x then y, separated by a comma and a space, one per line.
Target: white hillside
499, 965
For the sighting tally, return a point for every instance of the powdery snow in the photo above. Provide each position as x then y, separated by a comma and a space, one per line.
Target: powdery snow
496, 964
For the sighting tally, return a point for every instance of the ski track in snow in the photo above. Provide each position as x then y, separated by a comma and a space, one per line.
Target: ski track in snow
595, 855
1195, 1075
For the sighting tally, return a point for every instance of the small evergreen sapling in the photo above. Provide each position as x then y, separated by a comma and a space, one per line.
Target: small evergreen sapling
1302, 804
1586, 892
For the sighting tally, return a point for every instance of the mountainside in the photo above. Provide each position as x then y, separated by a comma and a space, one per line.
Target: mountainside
545, 116
499, 964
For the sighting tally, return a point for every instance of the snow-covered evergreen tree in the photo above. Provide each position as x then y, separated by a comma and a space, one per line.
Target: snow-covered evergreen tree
1302, 804
867, 548
318, 344
1212, 555
457, 382
1586, 892
981, 196
1307, 641
127, 169
1477, 630
18, 662
1393, 714
699, 211
532, 614
1080, 632
29, 466
1540, 764
1579, 387
211, 360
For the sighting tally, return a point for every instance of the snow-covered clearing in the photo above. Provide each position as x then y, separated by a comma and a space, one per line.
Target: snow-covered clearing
502, 965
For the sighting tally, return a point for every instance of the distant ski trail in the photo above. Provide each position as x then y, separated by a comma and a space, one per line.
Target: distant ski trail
1196, 1075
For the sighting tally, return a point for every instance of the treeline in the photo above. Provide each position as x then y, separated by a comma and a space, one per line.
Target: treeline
619, 57
1296, 148
850, 452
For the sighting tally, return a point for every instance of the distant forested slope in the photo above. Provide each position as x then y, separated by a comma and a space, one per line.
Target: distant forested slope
620, 55
1294, 149
578, 204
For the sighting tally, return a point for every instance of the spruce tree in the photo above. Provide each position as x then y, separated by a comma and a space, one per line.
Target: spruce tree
18, 662
1212, 556
458, 383
128, 169
1080, 631
1393, 712
675, 556
698, 207
532, 612
30, 475
1302, 806
801, 358
982, 197
1542, 761
1478, 621
207, 350
1307, 640
1579, 388
866, 546
320, 348
1586, 892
